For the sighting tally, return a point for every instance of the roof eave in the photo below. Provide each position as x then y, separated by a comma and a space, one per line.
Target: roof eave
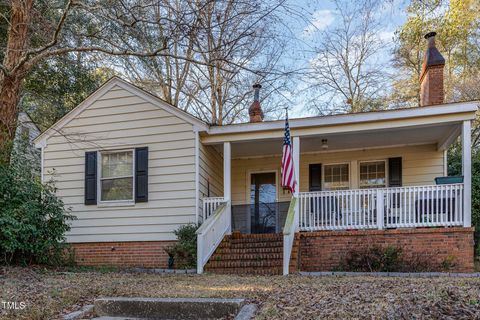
342, 119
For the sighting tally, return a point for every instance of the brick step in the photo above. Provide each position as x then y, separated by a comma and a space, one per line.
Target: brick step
273, 250
252, 263
251, 254
244, 263
260, 236
254, 271
244, 256
249, 241
235, 245
227, 250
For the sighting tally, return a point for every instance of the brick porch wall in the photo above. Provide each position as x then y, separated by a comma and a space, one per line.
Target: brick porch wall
143, 254
324, 250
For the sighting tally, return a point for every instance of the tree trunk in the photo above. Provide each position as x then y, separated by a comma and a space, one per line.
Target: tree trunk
15, 71
9, 93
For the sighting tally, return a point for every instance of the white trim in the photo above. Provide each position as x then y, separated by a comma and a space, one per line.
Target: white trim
444, 109
115, 81
197, 177
336, 164
386, 173
113, 203
120, 203
296, 163
227, 180
42, 164
467, 173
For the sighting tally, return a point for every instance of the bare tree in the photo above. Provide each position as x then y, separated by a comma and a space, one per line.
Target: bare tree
232, 46
165, 75
40, 30
345, 75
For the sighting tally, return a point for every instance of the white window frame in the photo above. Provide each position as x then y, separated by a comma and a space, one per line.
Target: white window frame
336, 164
360, 162
106, 203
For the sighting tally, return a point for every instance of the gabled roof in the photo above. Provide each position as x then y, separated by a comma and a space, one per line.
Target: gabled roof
116, 81
24, 117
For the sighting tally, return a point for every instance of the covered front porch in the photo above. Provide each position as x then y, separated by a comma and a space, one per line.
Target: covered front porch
351, 175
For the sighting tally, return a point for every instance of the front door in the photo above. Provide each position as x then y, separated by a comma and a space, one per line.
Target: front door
263, 205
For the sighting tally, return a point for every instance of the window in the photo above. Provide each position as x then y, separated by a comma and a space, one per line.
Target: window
372, 174
336, 177
116, 176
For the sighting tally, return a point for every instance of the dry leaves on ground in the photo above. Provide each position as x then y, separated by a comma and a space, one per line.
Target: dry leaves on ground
51, 293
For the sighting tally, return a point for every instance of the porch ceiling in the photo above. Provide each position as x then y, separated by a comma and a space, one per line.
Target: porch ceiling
441, 134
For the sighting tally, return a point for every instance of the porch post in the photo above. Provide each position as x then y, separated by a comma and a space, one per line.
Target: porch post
467, 173
227, 179
296, 162
296, 167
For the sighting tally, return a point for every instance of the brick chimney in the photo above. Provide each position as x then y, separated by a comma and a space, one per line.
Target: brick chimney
431, 78
255, 110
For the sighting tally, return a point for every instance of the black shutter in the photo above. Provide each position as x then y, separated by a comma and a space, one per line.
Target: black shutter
395, 172
141, 174
90, 178
315, 177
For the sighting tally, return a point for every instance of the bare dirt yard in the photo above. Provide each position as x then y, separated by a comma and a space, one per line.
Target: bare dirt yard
48, 294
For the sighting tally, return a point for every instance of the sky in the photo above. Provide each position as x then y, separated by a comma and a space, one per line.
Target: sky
305, 29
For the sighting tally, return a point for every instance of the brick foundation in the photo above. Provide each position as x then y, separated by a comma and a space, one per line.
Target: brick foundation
143, 254
324, 251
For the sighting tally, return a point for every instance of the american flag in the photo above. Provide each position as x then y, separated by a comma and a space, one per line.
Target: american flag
288, 173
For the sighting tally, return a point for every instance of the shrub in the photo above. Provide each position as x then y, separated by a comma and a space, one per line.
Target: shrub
373, 259
184, 251
389, 259
33, 220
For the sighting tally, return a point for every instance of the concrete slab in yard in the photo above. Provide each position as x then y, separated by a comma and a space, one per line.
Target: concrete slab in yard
247, 312
116, 318
167, 308
80, 314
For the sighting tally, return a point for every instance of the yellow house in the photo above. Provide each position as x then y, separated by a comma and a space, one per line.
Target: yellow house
133, 169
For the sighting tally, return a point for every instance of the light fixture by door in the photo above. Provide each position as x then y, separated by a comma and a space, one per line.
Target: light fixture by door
324, 144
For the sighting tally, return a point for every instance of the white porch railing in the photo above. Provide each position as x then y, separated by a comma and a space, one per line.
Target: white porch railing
210, 205
291, 226
422, 206
211, 233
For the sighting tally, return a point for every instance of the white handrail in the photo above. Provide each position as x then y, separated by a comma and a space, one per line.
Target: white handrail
291, 224
399, 207
211, 233
210, 205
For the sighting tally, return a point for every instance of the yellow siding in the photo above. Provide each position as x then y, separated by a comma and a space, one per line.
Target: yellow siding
420, 165
120, 120
211, 171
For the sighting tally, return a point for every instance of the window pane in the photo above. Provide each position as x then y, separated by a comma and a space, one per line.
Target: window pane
117, 189
372, 174
336, 177
117, 164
